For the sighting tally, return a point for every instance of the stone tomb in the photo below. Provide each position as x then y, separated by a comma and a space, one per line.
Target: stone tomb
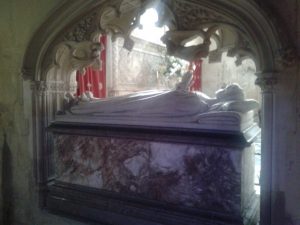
158, 157
149, 175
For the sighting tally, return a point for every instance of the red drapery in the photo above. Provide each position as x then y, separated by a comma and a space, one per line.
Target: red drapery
94, 80
196, 67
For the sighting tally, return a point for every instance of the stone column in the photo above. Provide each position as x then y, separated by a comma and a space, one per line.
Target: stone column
267, 82
39, 89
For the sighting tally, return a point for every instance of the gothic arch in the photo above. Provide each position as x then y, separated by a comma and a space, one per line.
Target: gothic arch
264, 33
260, 37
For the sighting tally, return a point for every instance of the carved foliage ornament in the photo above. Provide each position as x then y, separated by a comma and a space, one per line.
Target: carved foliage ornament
83, 29
189, 16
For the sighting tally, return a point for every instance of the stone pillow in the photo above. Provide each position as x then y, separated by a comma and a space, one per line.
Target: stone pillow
236, 106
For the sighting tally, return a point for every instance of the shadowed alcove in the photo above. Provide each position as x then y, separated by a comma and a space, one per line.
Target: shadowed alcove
242, 29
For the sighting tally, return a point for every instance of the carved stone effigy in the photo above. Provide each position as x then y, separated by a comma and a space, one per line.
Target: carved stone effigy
171, 108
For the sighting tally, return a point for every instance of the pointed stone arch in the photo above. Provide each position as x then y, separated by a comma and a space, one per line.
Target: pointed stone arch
80, 19
261, 36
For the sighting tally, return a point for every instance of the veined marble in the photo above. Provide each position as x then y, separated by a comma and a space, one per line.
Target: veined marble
204, 177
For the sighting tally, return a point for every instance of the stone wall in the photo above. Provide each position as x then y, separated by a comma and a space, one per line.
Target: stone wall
287, 107
219, 74
19, 20
137, 70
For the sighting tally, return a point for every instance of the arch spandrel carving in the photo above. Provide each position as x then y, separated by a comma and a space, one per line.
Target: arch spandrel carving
83, 29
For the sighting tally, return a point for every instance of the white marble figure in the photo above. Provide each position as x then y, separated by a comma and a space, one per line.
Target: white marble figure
178, 105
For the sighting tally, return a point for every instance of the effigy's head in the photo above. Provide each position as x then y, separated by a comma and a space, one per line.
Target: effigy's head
232, 92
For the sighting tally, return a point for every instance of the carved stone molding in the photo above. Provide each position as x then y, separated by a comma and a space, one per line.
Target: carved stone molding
189, 16
39, 87
55, 86
266, 83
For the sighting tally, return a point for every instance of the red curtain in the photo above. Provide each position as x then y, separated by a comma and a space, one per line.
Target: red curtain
196, 67
94, 80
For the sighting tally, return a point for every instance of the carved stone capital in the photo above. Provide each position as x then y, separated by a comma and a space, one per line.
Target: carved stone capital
38, 87
266, 83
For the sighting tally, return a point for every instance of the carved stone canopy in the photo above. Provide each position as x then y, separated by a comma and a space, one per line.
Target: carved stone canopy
241, 28
186, 21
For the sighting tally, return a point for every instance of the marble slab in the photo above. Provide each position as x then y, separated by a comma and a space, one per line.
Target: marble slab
188, 175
